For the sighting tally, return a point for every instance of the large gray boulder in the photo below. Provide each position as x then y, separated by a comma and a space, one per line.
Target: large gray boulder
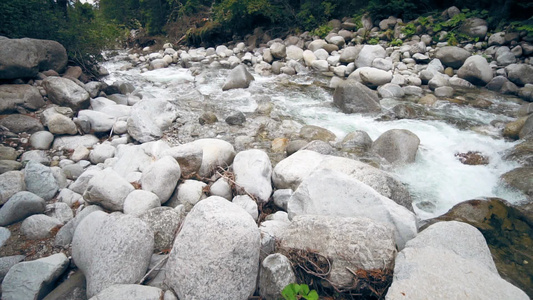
13, 96
275, 274
397, 146
6, 262
130, 292
291, 171
477, 70
350, 54
520, 74
278, 50
474, 27
188, 156
40, 180
253, 172
452, 56
220, 261
149, 118
367, 55
238, 78
337, 238
331, 193
354, 97
24, 58
449, 261
99, 121
19, 206
371, 77
65, 92
33, 279
111, 249
72, 142
108, 189
188, 193
164, 223
161, 177
39, 226
139, 201
11, 182
18, 123
215, 153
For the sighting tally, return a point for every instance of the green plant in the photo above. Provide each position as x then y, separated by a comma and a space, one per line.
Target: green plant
409, 30
396, 42
322, 30
373, 41
452, 40
296, 291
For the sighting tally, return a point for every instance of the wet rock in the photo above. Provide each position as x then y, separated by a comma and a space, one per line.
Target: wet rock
65, 92
149, 118
237, 118
18, 123
13, 96
521, 153
275, 274
520, 179
111, 249
40, 180
161, 177
444, 91
397, 146
11, 182
527, 130
39, 226
41, 140
352, 199
311, 132
357, 141
343, 235
33, 279
219, 262
138, 201
472, 158
512, 129
353, 97
253, 171
129, 292
238, 78
452, 56
164, 223
507, 230
108, 189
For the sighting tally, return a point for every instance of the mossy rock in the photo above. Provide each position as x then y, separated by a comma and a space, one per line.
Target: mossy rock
508, 230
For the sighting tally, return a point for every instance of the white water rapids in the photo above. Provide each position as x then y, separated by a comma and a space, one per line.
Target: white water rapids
437, 177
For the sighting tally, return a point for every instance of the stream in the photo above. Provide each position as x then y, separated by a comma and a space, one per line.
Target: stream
437, 180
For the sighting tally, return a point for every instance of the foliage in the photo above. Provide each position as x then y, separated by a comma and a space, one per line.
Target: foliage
452, 40
409, 30
396, 42
526, 26
373, 41
294, 291
321, 31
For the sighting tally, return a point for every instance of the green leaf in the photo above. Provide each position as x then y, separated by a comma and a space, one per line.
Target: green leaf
304, 289
290, 291
313, 295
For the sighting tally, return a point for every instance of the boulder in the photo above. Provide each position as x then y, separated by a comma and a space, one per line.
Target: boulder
99, 121
253, 171
520, 74
6, 262
391, 90
130, 292
40, 180
248, 204
316, 44
24, 58
188, 193
188, 156
8, 153
397, 146
13, 96
371, 77
149, 118
60, 211
164, 223
138, 202
108, 189
520, 179
367, 55
474, 27
21, 123
477, 70
527, 130
357, 141
331, 193
215, 153
65, 92
221, 188
39, 226
319, 146
450, 266
350, 54
278, 50
275, 274
238, 78
11, 182
336, 238
33, 279
291, 171
101, 152
20, 206
452, 56
221, 260
161, 177
111, 249
73, 142
353, 97
60, 124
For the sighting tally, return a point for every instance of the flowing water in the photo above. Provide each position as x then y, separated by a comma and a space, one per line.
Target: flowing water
437, 179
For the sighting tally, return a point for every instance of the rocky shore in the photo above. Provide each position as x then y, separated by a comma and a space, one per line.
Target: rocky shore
109, 192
